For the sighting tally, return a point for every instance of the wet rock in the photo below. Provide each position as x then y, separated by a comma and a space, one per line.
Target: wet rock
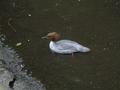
5, 77
27, 83
12, 75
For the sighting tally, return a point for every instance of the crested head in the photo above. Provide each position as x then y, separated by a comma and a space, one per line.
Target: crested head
54, 36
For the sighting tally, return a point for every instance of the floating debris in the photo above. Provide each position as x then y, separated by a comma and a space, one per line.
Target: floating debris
14, 4
29, 15
56, 4
79, 0
9, 24
28, 40
19, 44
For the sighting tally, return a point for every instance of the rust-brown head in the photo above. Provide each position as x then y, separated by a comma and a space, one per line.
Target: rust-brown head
54, 36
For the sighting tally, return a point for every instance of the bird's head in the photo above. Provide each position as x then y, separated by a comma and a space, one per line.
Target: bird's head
53, 36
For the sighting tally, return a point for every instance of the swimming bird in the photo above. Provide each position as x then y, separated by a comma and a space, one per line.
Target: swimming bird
60, 46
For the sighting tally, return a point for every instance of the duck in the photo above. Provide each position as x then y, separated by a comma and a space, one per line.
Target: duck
64, 46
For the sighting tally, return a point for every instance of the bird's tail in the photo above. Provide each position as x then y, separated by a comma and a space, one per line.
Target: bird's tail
84, 49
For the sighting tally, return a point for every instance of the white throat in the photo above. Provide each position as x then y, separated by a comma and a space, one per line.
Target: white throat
52, 46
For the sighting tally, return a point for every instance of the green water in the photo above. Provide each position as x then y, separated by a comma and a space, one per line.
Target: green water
89, 22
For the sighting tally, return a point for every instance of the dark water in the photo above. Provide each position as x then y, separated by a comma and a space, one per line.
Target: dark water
90, 22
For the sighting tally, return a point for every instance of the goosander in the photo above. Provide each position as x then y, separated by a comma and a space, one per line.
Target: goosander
64, 46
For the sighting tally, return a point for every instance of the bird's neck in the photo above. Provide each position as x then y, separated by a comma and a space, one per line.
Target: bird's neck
53, 41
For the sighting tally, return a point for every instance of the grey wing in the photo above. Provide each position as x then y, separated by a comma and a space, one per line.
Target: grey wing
63, 45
